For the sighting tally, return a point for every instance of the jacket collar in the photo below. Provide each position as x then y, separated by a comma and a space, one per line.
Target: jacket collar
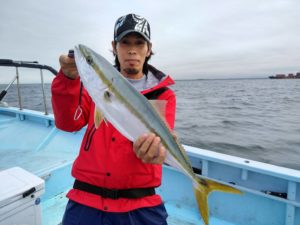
164, 80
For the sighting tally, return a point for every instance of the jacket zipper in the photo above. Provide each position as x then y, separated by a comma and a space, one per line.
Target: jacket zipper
89, 137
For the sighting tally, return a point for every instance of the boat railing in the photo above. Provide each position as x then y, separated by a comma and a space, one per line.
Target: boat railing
26, 64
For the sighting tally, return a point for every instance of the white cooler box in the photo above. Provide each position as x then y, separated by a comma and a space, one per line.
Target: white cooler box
20, 193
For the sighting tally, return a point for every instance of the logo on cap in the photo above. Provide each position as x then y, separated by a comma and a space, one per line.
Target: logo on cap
131, 23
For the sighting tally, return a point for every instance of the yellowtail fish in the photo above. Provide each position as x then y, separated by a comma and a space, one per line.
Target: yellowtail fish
131, 113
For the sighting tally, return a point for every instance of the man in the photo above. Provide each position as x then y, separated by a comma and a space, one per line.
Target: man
115, 178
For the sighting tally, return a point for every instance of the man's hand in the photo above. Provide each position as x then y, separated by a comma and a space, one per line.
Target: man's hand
68, 66
149, 149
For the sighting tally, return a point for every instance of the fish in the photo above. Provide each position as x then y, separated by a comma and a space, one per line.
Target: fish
119, 103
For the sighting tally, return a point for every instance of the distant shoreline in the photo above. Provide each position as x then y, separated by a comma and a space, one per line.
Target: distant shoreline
290, 78
283, 76
249, 78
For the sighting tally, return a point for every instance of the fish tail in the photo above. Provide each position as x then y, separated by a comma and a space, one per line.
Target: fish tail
202, 188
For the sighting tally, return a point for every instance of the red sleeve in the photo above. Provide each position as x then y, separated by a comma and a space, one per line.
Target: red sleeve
65, 101
169, 95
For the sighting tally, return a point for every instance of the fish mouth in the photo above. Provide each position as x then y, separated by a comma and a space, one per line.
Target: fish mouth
77, 52
83, 50
82, 47
82, 54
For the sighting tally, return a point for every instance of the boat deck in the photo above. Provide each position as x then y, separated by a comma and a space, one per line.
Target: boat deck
179, 212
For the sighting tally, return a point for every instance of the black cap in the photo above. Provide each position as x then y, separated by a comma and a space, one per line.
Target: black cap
131, 23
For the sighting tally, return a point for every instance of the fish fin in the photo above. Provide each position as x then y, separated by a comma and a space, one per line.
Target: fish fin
183, 152
98, 117
160, 108
202, 188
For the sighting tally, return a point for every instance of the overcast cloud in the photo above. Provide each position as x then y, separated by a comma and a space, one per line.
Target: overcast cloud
191, 38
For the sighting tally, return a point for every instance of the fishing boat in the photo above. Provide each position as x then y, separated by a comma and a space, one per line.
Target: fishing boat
35, 175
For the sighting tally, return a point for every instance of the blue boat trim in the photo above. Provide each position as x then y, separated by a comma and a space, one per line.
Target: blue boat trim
47, 138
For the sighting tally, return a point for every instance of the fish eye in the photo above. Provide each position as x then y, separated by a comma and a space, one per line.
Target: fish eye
89, 60
107, 93
107, 96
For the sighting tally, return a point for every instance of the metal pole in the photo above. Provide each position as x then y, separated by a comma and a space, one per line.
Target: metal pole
3, 93
43, 90
12, 81
18, 87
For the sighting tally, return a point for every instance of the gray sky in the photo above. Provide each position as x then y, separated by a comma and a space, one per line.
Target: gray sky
191, 38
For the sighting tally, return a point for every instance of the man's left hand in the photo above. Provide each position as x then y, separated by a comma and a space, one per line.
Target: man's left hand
149, 149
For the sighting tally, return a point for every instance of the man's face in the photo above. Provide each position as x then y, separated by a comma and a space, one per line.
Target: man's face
132, 51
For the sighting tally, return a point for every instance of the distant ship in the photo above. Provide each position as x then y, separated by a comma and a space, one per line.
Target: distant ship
283, 76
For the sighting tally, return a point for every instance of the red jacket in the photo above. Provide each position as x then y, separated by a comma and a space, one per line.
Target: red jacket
106, 157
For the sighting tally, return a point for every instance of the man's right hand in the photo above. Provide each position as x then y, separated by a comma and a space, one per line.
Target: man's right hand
68, 66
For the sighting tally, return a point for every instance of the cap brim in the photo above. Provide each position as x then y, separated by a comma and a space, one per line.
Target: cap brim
131, 31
